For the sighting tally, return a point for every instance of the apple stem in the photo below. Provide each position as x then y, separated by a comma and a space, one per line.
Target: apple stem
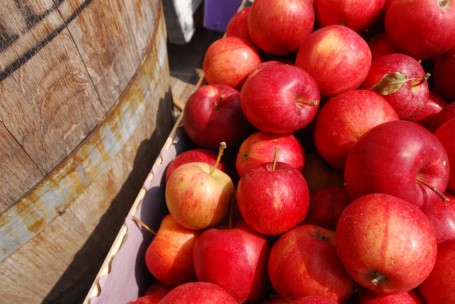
218, 159
300, 100
418, 81
143, 225
275, 158
377, 277
439, 193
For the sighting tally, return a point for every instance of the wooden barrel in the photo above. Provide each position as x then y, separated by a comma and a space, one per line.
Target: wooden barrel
85, 107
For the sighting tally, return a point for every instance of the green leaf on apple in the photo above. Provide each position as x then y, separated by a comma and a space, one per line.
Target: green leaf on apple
390, 83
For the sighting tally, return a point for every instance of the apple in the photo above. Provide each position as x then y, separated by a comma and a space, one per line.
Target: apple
432, 107
407, 297
402, 81
442, 216
421, 28
169, 256
344, 118
208, 112
319, 174
280, 27
337, 57
196, 155
386, 244
314, 300
259, 148
446, 135
272, 198
304, 261
399, 158
446, 113
279, 98
234, 258
198, 292
326, 206
358, 15
156, 291
274, 299
444, 74
440, 284
144, 300
199, 195
238, 25
229, 60
380, 44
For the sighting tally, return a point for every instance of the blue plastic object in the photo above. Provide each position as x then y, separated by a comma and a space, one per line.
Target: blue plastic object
218, 13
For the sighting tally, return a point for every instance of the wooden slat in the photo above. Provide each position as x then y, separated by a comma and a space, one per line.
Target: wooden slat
106, 45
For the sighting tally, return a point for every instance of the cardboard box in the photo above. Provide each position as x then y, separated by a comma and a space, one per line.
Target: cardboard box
123, 275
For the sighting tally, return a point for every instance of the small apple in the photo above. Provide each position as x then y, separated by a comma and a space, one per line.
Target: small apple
319, 174
358, 15
199, 195
279, 98
234, 258
314, 300
444, 74
208, 112
229, 60
198, 292
336, 57
304, 261
272, 198
399, 158
402, 81
238, 25
280, 27
442, 216
446, 113
259, 148
343, 119
169, 257
432, 107
381, 44
438, 287
446, 135
421, 28
386, 244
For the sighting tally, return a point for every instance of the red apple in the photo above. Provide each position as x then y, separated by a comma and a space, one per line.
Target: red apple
208, 112
402, 81
144, 300
198, 292
446, 135
280, 27
400, 158
195, 155
229, 60
279, 98
381, 44
259, 148
304, 261
234, 258
421, 28
446, 113
238, 25
326, 206
156, 291
442, 216
272, 198
440, 284
169, 257
444, 74
344, 119
337, 57
198, 195
274, 299
407, 297
386, 244
358, 15
319, 174
314, 300
432, 107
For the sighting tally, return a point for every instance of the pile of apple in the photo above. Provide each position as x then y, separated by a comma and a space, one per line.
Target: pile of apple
321, 167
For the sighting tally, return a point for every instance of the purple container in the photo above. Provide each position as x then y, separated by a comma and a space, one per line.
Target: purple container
218, 13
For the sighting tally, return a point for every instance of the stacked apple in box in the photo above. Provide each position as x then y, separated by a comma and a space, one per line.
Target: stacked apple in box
322, 173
